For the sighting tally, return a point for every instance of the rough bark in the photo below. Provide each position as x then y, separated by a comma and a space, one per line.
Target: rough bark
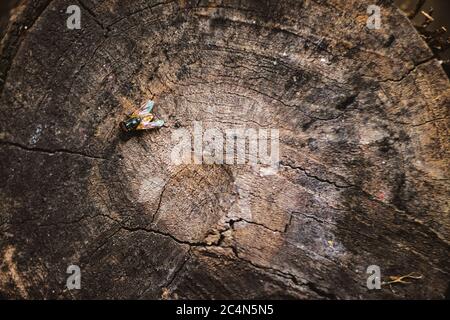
363, 177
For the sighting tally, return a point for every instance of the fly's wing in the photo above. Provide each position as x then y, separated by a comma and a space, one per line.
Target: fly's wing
148, 124
144, 110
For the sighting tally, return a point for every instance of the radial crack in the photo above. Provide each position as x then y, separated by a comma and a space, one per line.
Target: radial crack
51, 151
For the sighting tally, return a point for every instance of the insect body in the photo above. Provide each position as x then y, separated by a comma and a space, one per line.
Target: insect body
142, 119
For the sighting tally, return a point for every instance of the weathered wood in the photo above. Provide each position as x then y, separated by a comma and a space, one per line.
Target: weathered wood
363, 178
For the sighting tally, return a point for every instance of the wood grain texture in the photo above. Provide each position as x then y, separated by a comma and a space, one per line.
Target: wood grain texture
363, 178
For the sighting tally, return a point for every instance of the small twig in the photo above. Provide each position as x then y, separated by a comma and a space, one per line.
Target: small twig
400, 279
428, 16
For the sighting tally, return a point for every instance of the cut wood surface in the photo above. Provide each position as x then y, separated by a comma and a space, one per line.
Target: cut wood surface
363, 130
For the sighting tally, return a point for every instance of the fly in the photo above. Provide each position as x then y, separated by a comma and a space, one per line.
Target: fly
142, 119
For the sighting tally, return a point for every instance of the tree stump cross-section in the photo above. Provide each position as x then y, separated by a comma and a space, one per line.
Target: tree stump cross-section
362, 116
